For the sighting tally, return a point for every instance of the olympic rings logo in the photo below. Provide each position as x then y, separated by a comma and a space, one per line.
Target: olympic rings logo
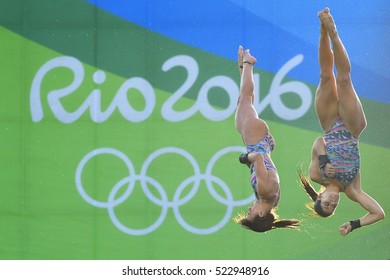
164, 202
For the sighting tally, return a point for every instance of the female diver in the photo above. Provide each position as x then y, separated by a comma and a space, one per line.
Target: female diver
259, 142
335, 162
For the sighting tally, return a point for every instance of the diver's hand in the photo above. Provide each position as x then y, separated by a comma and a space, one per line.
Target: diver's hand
329, 170
252, 157
345, 228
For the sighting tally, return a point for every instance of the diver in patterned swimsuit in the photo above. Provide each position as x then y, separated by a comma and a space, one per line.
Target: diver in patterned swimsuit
335, 162
255, 134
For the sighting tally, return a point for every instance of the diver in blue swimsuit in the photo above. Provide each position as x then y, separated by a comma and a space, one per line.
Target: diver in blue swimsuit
335, 162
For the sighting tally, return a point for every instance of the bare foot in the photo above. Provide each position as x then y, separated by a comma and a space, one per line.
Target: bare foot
323, 30
327, 22
248, 58
240, 56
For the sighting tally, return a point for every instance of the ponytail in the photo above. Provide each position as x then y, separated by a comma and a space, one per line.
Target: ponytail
305, 183
265, 223
314, 206
288, 223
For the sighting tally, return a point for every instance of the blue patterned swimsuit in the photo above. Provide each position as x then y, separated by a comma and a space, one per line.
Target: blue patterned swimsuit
342, 149
265, 146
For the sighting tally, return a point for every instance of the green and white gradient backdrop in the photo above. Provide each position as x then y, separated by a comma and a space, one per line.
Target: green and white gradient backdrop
117, 127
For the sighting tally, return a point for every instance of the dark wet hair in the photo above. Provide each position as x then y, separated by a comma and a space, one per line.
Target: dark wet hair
265, 223
314, 206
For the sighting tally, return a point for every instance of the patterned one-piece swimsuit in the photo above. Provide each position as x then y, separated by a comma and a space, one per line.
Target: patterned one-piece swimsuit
265, 146
342, 149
